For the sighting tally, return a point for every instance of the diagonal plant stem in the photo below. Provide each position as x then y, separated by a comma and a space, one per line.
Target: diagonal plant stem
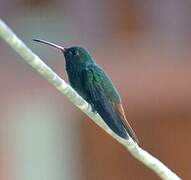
136, 151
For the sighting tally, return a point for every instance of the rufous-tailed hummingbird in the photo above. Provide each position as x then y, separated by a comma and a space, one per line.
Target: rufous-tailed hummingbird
92, 83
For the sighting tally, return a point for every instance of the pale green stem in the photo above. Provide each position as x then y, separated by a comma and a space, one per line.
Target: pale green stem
148, 160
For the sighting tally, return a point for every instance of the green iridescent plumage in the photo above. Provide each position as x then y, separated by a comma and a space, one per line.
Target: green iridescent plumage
92, 83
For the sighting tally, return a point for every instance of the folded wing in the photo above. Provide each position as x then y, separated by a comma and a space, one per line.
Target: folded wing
105, 99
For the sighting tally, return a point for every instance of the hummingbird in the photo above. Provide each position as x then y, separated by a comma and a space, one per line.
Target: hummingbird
91, 82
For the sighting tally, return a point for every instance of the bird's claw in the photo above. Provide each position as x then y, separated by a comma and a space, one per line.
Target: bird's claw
93, 107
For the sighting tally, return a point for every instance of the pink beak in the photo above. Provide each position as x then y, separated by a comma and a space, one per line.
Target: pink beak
51, 44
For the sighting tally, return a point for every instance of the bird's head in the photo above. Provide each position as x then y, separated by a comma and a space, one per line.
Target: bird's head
77, 55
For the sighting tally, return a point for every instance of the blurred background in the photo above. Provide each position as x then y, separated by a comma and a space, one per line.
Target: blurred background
145, 48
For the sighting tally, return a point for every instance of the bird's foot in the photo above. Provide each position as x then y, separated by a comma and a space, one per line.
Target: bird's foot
93, 107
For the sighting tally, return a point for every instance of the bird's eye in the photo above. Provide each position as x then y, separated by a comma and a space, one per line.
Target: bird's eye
75, 53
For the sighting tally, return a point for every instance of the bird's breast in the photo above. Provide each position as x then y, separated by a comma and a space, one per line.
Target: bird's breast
75, 79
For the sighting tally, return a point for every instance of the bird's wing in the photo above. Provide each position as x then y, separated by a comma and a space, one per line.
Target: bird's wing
106, 100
